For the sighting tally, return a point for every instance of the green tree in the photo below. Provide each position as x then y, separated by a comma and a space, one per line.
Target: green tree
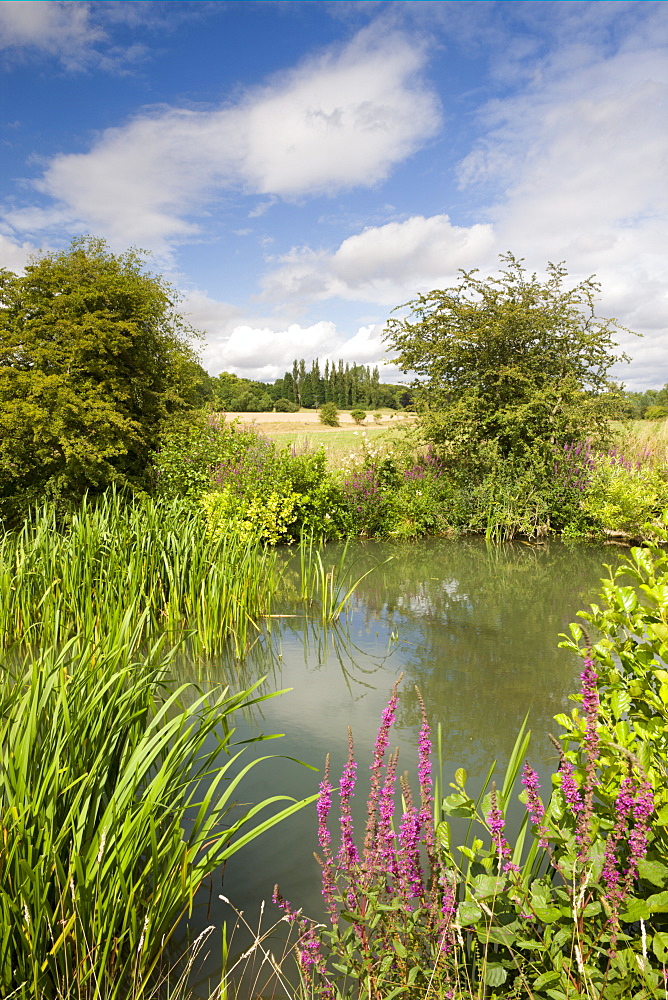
329, 415
509, 359
93, 355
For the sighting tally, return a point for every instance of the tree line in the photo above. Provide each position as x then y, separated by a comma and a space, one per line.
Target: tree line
348, 386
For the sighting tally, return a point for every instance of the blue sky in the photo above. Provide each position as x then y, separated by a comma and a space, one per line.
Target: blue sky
297, 170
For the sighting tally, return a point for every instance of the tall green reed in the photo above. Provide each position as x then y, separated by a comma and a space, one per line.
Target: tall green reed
117, 795
155, 559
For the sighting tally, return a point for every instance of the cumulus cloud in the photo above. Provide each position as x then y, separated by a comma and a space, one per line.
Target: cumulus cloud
14, 256
571, 168
383, 263
341, 120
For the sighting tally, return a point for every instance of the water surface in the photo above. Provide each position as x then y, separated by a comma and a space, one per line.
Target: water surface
474, 626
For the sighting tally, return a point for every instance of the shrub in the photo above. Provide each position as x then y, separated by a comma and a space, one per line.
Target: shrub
283, 405
329, 414
623, 494
359, 416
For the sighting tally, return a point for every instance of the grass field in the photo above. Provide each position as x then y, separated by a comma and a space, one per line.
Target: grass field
645, 440
304, 431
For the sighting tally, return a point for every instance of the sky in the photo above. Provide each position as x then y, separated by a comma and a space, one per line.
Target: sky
297, 170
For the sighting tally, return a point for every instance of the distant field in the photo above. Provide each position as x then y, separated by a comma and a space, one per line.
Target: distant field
644, 439
304, 430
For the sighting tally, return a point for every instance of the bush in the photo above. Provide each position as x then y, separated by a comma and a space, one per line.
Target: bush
329, 414
623, 494
283, 405
359, 416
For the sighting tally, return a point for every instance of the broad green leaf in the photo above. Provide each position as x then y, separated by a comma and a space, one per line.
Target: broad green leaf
495, 974
468, 913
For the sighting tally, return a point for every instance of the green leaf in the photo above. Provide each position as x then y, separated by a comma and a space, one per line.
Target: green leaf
620, 702
495, 975
460, 777
485, 886
660, 946
636, 909
658, 903
653, 871
468, 913
546, 980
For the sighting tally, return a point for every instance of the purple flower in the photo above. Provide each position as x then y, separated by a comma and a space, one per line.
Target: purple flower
535, 807
496, 824
348, 855
382, 742
408, 859
570, 790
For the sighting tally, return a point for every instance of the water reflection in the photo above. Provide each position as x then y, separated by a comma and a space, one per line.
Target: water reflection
474, 626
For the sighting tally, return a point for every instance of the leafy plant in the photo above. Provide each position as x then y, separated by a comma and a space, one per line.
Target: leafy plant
329, 415
115, 794
359, 416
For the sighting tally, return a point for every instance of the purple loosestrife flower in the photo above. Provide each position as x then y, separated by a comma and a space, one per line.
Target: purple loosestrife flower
425, 781
590, 705
348, 854
569, 787
325, 839
535, 807
382, 742
408, 858
496, 824
385, 860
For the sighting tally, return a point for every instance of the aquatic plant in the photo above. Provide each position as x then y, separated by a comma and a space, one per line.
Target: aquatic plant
116, 797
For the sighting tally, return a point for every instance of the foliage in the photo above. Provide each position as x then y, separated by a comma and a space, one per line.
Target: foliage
261, 483
623, 495
154, 561
359, 416
93, 356
508, 359
283, 405
268, 517
115, 795
329, 414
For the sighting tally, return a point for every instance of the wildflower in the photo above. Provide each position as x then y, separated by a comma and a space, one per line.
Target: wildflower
590, 704
325, 839
348, 855
569, 787
535, 807
496, 824
382, 742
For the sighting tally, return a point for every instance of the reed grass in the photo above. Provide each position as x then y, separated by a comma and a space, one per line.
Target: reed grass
154, 560
116, 795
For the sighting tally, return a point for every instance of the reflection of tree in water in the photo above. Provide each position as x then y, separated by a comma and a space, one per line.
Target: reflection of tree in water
478, 627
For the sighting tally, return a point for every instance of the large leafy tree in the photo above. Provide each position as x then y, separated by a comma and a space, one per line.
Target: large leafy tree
509, 363
93, 355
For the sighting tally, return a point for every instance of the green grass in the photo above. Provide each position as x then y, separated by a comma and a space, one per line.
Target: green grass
154, 561
115, 794
339, 443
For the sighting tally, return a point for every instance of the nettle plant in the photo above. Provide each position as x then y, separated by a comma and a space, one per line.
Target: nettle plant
574, 903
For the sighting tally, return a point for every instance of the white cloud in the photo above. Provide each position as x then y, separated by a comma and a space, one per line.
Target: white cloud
262, 348
573, 168
14, 256
70, 32
382, 264
341, 120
